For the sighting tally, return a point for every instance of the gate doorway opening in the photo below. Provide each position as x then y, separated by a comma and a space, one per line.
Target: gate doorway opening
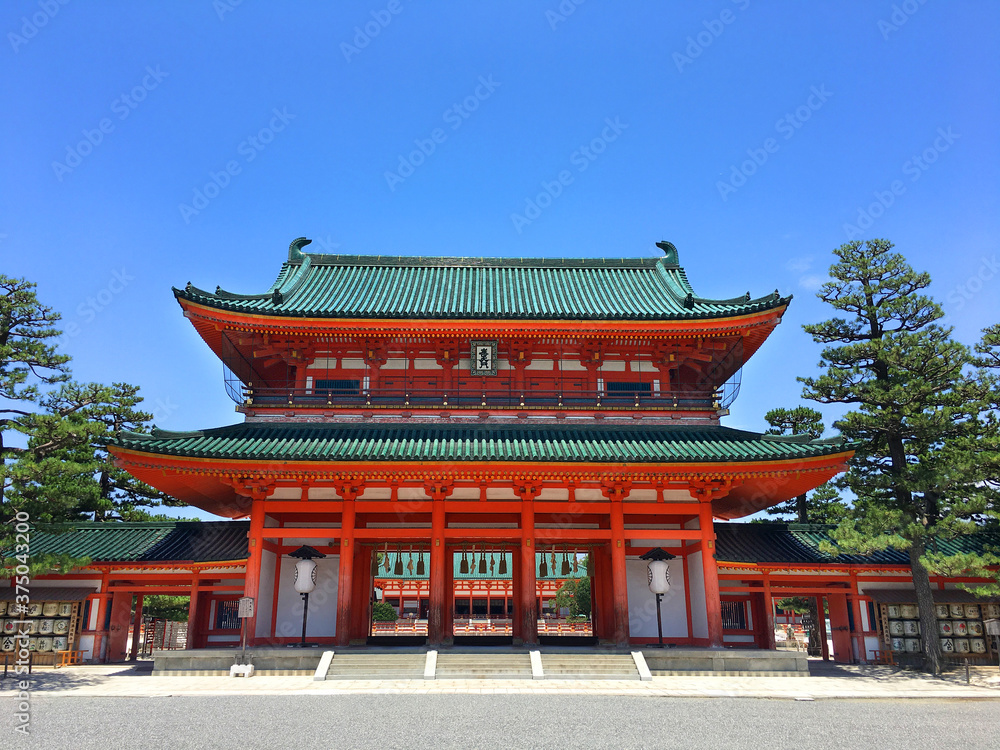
565, 595
482, 594
400, 594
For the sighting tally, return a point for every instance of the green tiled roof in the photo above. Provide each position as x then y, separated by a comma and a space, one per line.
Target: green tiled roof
186, 541
155, 541
358, 286
463, 442
800, 544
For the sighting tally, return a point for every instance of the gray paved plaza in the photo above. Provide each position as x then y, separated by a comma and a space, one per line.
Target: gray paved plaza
502, 721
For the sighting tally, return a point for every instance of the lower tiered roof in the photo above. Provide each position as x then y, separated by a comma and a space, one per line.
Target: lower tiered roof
463, 442
218, 541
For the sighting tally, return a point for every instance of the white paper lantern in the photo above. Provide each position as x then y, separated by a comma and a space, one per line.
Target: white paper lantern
305, 576
659, 576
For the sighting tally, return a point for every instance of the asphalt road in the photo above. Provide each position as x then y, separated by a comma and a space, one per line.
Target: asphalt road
492, 721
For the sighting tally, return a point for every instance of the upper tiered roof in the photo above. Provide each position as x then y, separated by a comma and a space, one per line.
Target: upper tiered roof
401, 287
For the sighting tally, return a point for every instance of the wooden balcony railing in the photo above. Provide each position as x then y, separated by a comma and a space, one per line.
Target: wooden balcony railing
436, 399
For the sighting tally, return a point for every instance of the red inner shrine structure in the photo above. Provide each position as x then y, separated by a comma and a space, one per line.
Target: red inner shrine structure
546, 412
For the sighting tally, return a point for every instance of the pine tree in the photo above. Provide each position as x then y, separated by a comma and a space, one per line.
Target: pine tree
798, 421
916, 415
28, 360
55, 467
121, 495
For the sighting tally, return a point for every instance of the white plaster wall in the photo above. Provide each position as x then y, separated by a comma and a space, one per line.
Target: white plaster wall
265, 593
322, 602
86, 644
223, 639
642, 602
699, 613
642, 496
553, 493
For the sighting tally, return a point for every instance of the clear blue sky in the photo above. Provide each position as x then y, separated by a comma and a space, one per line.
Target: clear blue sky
838, 102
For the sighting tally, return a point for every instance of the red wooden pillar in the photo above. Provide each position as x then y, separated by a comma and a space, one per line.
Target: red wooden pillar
840, 623
448, 613
713, 602
527, 596
607, 597
768, 615
121, 615
619, 585
345, 575
515, 603
361, 595
136, 628
616, 493
100, 637
437, 600
192, 633
251, 585
821, 616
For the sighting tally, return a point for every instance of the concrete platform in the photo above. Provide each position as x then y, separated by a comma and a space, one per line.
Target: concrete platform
217, 661
725, 661
278, 661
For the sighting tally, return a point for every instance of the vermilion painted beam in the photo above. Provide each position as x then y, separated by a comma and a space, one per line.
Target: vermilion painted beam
472, 534
475, 328
302, 506
573, 508
287, 532
662, 534
581, 535
661, 509
178, 589
782, 591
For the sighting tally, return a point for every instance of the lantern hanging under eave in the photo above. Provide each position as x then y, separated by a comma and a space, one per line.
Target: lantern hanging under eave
659, 576
305, 576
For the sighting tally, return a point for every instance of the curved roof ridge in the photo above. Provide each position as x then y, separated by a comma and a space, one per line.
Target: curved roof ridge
447, 287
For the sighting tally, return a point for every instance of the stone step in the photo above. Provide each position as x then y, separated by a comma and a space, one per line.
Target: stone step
376, 667
589, 666
483, 666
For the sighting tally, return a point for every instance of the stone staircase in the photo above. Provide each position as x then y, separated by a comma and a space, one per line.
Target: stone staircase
589, 667
380, 666
483, 666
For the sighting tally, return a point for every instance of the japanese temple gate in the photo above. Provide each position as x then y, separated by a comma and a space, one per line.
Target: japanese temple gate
525, 406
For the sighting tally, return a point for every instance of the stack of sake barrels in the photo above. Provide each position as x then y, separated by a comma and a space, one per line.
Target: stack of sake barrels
48, 626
